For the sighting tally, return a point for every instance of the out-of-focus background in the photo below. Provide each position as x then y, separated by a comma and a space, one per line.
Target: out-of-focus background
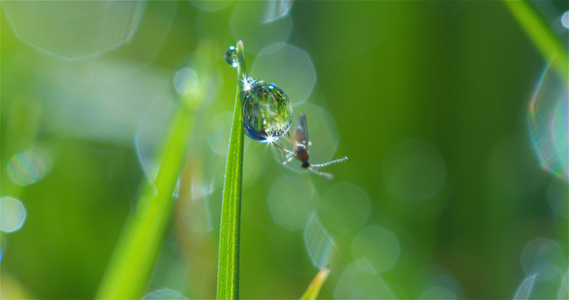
455, 127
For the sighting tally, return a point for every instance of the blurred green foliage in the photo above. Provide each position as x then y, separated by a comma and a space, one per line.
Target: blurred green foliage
455, 77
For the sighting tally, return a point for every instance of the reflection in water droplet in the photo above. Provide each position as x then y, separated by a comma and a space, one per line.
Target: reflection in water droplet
186, 81
248, 24
543, 257
267, 112
557, 198
345, 207
276, 9
164, 294
74, 29
548, 123
378, 245
29, 166
437, 292
360, 281
291, 201
524, 290
319, 243
413, 163
290, 66
12, 214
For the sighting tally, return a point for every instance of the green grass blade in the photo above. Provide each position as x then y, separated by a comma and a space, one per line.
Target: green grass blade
550, 47
228, 266
135, 254
132, 262
314, 288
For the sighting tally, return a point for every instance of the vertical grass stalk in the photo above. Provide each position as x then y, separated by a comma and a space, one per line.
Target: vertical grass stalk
133, 260
228, 266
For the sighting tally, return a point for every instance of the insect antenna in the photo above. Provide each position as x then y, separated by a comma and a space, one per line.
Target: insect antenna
335, 161
323, 174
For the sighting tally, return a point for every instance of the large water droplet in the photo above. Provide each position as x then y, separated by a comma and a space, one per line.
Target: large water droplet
231, 56
267, 112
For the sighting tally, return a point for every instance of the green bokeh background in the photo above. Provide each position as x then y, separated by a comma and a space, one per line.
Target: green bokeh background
457, 75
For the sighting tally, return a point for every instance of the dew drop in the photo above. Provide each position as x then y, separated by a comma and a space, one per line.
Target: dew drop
231, 56
267, 112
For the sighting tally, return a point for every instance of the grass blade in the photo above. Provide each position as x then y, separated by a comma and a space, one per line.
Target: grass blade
540, 34
314, 288
132, 262
228, 266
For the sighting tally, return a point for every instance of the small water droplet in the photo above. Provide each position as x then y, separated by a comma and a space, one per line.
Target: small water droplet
267, 112
231, 56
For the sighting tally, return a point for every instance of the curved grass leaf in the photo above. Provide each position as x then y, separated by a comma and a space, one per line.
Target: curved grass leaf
314, 288
228, 266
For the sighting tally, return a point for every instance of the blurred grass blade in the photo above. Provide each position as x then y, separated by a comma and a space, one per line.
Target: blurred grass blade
134, 257
314, 288
524, 290
228, 266
550, 47
132, 262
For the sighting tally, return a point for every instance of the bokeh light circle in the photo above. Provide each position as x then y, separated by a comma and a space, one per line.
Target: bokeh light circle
288, 67
248, 23
291, 201
565, 19
345, 207
378, 245
218, 132
30, 166
557, 198
544, 257
413, 170
437, 292
210, 5
319, 243
276, 9
186, 81
12, 213
360, 281
164, 294
74, 29
548, 123
433, 279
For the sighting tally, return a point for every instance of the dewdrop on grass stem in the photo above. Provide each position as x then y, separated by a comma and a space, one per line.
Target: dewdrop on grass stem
267, 112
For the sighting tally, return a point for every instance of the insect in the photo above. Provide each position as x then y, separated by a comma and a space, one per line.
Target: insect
300, 146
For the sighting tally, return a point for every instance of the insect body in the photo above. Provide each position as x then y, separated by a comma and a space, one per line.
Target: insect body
300, 149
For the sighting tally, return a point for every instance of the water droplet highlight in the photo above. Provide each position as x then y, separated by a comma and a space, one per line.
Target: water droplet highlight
231, 56
267, 112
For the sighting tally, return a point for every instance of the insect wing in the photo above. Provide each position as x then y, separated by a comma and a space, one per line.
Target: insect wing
301, 135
